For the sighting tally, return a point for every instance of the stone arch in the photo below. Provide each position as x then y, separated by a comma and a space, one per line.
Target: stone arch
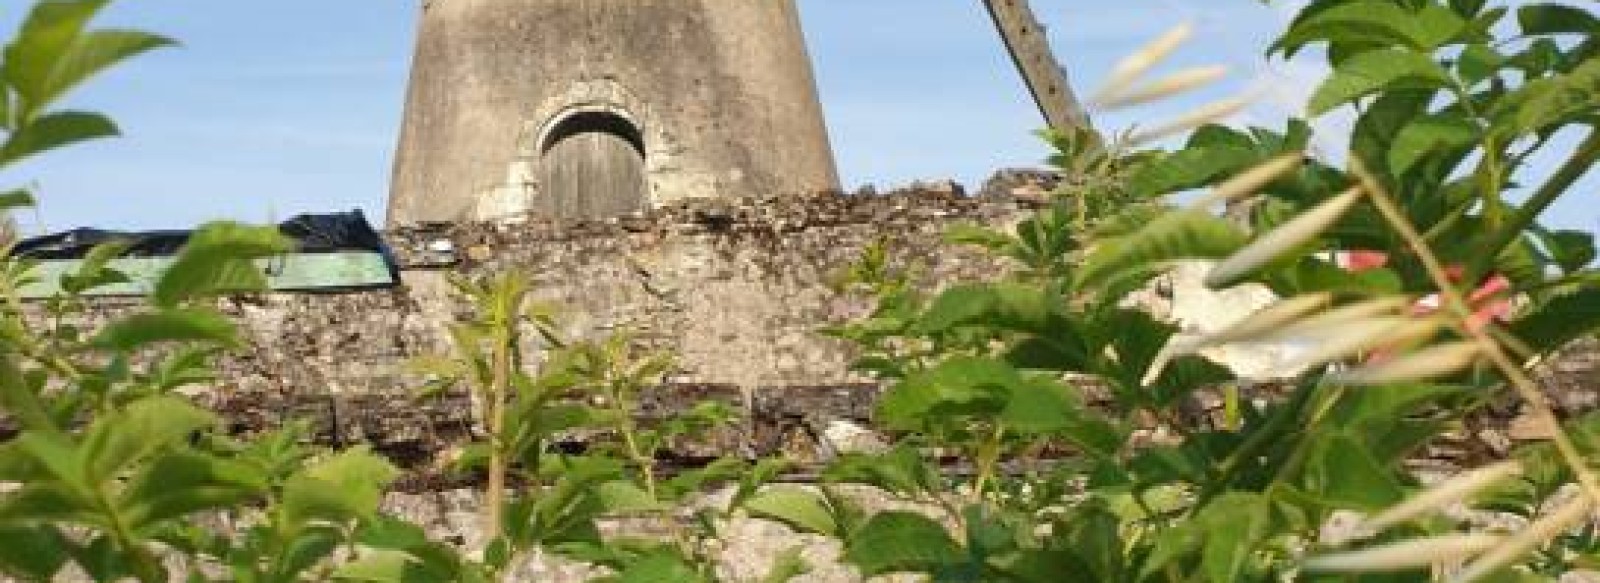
523, 190
591, 165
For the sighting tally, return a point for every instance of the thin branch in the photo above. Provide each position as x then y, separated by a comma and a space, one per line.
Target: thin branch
1457, 304
1567, 175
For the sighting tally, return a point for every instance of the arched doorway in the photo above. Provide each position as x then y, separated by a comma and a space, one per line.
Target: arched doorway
592, 166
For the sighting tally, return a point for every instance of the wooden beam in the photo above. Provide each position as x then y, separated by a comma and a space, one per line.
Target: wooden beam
1030, 49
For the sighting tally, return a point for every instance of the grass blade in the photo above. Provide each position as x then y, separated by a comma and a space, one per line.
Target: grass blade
1133, 67
1286, 238
1358, 336
1207, 114
1270, 319
1407, 555
1529, 538
1432, 362
1443, 494
1251, 181
1176, 83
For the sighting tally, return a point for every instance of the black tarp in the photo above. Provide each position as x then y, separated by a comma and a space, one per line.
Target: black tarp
312, 233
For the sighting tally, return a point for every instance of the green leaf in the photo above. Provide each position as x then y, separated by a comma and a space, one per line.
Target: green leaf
901, 471
660, 568
388, 567
960, 305
1376, 23
901, 542
801, 510
1557, 19
49, 503
171, 325
1022, 307
1560, 321
33, 553
980, 236
1446, 132
46, 36
346, 486
186, 482
92, 270
1468, 8
621, 497
1375, 71
19, 398
1313, 274
1002, 304
958, 386
15, 199
54, 53
309, 547
1549, 101
1095, 535
53, 131
184, 367
1177, 235
1041, 405
1539, 59
789, 565
1171, 545
1235, 524
1478, 62
1350, 477
59, 456
140, 430
93, 52
1570, 250
565, 513
1191, 167
218, 259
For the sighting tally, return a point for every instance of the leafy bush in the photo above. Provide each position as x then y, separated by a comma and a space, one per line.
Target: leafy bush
1420, 280
1414, 269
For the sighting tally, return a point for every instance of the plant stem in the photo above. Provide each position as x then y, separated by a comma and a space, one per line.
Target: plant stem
123, 538
646, 463
988, 457
1457, 303
625, 408
1272, 428
495, 495
1507, 234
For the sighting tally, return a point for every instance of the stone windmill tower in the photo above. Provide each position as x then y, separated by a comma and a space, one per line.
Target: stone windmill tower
594, 108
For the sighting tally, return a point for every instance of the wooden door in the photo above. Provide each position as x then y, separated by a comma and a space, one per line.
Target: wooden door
593, 173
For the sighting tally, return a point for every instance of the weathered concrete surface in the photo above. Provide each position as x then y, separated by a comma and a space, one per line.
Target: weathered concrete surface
720, 91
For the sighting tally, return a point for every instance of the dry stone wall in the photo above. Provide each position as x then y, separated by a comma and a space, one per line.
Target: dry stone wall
737, 289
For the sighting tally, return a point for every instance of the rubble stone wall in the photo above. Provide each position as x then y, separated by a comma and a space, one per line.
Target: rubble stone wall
738, 290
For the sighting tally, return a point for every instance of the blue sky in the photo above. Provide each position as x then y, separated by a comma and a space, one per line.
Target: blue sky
275, 107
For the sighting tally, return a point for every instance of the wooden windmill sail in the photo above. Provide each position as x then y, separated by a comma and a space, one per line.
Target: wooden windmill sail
1030, 49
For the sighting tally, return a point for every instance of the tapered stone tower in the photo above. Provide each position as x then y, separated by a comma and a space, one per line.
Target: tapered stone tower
594, 108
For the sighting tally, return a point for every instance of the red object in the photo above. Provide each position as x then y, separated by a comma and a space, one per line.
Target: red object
1490, 302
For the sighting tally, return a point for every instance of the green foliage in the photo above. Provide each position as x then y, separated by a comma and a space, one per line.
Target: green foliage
54, 52
1042, 424
1449, 113
595, 386
114, 472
